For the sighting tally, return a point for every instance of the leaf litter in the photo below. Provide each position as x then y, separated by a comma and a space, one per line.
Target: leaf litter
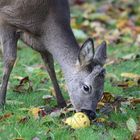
24, 86
102, 26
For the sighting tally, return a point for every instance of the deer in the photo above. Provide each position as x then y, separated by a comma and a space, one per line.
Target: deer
44, 25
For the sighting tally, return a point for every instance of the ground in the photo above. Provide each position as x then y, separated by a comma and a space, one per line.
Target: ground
122, 35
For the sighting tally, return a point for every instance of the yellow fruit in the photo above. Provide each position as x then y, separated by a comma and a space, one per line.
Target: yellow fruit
79, 120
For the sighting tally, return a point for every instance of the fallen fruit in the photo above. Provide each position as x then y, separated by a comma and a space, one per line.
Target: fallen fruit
79, 120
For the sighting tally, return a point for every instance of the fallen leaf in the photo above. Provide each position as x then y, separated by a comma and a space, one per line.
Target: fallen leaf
112, 105
131, 125
132, 56
104, 121
100, 120
25, 85
111, 61
6, 116
18, 77
106, 109
47, 98
100, 105
35, 138
130, 75
137, 42
135, 101
19, 139
42, 113
122, 23
97, 17
126, 84
121, 84
136, 135
55, 113
24, 120
107, 97
80, 35
37, 112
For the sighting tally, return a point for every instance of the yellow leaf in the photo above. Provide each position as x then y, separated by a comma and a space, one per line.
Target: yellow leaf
107, 97
100, 105
35, 112
122, 23
137, 29
130, 75
132, 83
100, 120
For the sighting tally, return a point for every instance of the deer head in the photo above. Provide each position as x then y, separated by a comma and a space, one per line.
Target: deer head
87, 83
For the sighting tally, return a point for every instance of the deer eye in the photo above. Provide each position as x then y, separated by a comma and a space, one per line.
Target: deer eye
86, 88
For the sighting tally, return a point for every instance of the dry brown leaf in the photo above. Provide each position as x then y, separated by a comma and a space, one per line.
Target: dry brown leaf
37, 112
6, 116
126, 84
135, 101
19, 139
122, 23
25, 85
136, 135
24, 120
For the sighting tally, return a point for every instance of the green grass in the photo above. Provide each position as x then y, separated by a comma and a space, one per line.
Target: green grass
53, 128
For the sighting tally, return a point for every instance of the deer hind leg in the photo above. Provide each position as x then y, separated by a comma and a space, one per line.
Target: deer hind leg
9, 39
49, 64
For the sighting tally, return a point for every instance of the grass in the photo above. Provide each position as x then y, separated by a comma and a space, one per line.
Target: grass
53, 128
48, 128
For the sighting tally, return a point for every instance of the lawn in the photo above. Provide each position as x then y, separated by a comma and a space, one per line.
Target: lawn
17, 123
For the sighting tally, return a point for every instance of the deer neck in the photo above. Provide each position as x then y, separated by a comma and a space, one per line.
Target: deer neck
61, 43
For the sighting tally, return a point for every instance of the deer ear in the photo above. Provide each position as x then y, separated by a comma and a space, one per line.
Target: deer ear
101, 54
86, 53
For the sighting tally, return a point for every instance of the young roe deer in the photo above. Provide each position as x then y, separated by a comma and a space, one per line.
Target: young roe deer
45, 26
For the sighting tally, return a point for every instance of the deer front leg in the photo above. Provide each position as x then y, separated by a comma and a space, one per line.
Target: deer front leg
9, 42
49, 63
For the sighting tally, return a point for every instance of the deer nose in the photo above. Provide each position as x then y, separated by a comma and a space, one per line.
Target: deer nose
89, 113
